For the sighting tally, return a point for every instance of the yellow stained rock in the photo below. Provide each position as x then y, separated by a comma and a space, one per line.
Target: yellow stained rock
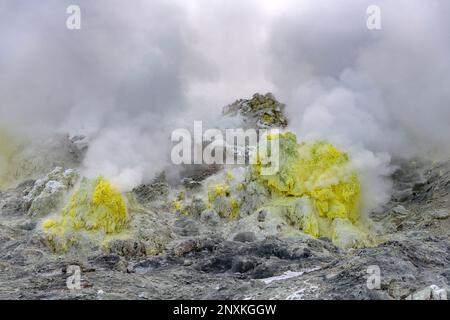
97, 207
320, 173
176, 205
220, 199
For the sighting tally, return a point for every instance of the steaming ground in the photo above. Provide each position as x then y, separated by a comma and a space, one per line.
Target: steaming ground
172, 255
199, 259
104, 100
133, 73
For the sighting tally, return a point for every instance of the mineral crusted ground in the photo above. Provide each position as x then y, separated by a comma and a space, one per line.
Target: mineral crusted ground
173, 256
200, 264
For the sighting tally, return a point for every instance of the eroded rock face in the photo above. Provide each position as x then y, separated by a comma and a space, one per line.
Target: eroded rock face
261, 111
158, 189
47, 194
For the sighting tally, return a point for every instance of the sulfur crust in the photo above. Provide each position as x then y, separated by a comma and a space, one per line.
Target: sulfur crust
96, 207
320, 174
220, 199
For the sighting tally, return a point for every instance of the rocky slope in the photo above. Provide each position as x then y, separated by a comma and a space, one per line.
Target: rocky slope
171, 255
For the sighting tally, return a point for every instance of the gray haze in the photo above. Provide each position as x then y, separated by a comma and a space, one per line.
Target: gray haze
138, 69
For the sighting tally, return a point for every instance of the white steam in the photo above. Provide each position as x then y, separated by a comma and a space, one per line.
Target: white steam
139, 69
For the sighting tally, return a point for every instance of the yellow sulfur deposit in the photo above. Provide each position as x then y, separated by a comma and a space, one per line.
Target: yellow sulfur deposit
318, 173
176, 205
220, 199
219, 190
96, 207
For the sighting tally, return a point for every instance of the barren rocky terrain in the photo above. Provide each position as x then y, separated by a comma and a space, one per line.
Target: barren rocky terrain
201, 256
